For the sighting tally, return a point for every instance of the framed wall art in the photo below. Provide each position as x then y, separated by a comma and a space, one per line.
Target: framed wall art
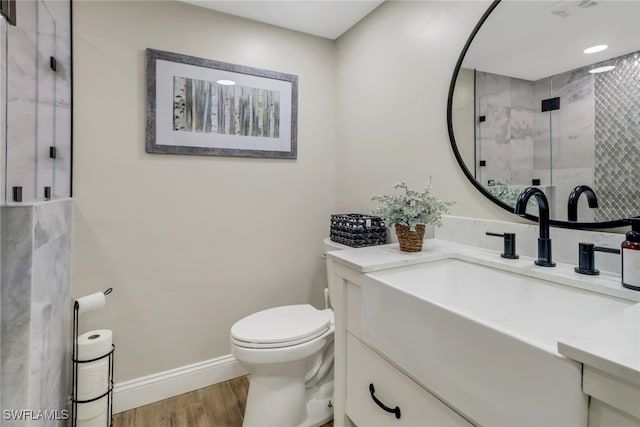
206, 107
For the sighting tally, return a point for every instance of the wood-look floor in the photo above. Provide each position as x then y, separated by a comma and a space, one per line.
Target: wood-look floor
219, 405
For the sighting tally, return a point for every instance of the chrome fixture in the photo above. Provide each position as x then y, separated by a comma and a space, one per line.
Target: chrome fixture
572, 206
544, 242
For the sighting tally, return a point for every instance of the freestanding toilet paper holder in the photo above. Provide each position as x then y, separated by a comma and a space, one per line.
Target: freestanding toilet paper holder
76, 364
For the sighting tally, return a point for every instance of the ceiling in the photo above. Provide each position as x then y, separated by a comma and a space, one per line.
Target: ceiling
536, 39
523, 39
322, 18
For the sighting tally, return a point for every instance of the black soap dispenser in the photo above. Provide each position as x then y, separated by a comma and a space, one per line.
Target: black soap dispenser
631, 256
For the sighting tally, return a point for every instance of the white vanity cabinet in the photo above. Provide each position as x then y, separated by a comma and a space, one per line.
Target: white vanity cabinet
373, 376
358, 367
614, 401
609, 351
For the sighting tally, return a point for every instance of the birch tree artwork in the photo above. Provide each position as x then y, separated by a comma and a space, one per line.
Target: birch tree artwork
208, 107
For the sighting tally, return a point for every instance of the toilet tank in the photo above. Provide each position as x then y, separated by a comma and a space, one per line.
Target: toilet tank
329, 246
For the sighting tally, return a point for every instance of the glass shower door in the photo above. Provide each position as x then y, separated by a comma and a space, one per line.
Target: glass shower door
30, 120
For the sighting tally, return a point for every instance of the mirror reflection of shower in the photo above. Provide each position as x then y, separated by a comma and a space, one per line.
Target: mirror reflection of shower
561, 131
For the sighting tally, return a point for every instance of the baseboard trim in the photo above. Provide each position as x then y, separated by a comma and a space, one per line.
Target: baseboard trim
162, 385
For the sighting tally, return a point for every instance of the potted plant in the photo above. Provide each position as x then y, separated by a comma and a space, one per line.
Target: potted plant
410, 213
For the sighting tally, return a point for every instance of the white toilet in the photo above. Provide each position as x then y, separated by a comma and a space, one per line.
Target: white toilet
288, 351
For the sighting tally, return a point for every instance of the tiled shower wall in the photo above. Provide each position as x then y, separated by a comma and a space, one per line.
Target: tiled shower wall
35, 249
617, 145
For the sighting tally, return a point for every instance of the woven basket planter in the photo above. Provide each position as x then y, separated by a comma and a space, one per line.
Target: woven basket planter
410, 241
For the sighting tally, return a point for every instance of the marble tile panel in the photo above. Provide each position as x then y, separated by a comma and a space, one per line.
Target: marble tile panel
573, 152
36, 306
46, 48
541, 123
15, 297
497, 99
51, 220
20, 149
522, 94
573, 133
60, 10
572, 86
521, 123
488, 83
498, 160
576, 116
26, 10
542, 89
62, 173
51, 324
497, 127
21, 68
45, 138
542, 153
63, 77
521, 161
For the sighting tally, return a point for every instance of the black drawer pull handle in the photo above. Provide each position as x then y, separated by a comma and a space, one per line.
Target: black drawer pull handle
395, 410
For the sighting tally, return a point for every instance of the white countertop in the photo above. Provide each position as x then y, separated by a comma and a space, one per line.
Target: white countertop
383, 257
611, 344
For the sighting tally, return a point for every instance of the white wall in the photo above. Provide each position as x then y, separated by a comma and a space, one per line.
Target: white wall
191, 244
394, 70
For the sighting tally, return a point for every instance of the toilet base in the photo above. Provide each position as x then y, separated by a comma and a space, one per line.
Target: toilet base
319, 412
319, 405
281, 401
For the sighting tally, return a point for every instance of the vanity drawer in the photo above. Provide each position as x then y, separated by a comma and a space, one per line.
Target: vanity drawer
418, 407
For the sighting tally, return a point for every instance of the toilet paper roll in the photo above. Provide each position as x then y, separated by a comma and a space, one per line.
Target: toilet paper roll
91, 410
91, 302
94, 344
99, 420
93, 379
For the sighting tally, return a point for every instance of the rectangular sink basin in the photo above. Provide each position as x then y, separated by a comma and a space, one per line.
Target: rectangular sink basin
484, 340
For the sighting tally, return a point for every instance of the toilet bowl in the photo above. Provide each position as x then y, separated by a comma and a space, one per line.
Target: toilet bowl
288, 352
283, 349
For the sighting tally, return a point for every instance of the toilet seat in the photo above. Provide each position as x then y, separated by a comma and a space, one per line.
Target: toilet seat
281, 327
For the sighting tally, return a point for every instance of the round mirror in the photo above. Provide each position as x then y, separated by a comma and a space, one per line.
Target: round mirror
547, 94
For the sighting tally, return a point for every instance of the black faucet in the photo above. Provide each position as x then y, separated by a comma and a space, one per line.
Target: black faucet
572, 207
544, 242
586, 260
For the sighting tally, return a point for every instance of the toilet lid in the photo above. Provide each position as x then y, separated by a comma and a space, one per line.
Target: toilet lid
281, 326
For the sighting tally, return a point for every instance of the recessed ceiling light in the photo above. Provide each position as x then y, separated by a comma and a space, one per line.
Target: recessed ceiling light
597, 48
226, 82
602, 69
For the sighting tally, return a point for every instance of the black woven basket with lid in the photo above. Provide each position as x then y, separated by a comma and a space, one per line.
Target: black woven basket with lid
358, 230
